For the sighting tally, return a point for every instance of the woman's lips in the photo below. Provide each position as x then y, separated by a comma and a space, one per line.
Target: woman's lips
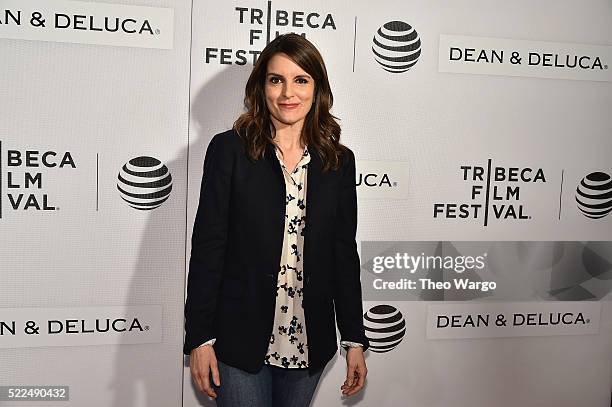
288, 106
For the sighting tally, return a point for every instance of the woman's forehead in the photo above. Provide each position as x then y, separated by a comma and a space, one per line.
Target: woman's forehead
283, 65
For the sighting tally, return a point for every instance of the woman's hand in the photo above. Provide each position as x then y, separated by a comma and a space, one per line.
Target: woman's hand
356, 371
203, 361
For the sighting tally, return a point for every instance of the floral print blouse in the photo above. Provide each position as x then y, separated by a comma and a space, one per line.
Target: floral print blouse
288, 347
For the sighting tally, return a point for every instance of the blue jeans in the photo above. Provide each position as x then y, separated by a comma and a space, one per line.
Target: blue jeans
272, 386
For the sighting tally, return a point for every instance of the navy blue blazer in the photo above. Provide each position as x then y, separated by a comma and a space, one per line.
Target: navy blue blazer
236, 252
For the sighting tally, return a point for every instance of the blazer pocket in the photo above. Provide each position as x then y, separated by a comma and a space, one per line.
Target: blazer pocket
232, 287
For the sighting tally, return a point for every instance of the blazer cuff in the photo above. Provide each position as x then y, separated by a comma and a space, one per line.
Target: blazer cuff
210, 342
349, 344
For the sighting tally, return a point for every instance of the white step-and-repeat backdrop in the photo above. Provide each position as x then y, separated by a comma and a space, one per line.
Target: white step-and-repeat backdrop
483, 136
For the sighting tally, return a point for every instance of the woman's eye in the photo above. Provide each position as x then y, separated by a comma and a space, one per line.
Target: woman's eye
302, 80
275, 79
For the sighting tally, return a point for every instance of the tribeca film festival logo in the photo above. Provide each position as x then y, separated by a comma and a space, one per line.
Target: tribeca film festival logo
144, 183
396, 46
385, 327
594, 195
27, 171
497, 56
494, 192
265, 24
87, 23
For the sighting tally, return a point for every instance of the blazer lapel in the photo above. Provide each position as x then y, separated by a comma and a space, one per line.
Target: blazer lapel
313, 184
275, 165
313, 179
276, 209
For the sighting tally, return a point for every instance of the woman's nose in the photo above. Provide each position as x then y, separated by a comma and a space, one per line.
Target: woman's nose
287, 89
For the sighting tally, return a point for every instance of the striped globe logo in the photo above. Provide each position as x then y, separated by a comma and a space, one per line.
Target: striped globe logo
144, 183
397, 46
594, 195
384, 327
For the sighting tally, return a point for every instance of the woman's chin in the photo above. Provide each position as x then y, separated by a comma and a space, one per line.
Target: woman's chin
289, 120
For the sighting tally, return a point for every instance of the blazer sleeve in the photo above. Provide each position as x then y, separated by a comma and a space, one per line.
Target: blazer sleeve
347, 283
208, 244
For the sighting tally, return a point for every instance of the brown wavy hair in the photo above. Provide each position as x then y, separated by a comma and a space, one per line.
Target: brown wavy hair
321, 131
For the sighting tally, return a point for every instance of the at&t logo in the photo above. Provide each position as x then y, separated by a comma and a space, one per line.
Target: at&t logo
385, 327
144, 183
396, 46
594, 195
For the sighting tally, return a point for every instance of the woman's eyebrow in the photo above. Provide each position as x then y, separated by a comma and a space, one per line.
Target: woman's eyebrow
281, 76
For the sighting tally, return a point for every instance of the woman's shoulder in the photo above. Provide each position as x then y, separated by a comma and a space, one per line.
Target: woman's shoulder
226, 143
347, 156
227, 138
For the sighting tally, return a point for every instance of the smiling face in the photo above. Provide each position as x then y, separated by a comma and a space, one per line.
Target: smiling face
289, 92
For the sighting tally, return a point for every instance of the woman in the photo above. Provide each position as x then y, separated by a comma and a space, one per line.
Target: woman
264, 333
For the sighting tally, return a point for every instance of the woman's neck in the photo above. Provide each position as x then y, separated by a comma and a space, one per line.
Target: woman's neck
288, 137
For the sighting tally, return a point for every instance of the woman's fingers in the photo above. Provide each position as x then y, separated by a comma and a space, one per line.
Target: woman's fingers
201, 365
356, 373
215, 372
350, 376
358, 385
196, 379
351, 371
207, 387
